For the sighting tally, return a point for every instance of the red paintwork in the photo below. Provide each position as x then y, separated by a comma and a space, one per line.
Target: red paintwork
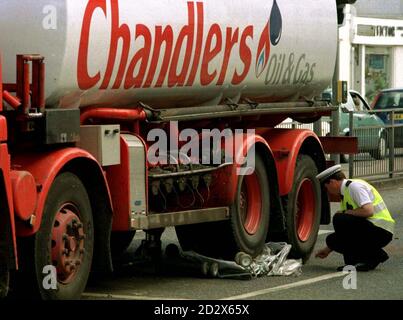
5, 168
3, 129
306, 209
204, 52
115, 114
248, 141
119, 184
341, 144
24, 194
11, 100
30, 86
1, 85
35, 94
286, 145
117, 177
251, 203
375, 100
223, 189
45, 166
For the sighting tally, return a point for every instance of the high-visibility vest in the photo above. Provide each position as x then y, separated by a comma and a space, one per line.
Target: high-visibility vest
381, 217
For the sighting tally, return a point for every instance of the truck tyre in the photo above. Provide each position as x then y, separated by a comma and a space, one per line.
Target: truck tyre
302, 207
246, 230
65, 240
251, 210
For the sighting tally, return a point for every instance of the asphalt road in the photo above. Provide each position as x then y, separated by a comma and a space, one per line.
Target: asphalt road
319, 279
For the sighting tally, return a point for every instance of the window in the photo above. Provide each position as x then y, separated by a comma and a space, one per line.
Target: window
388, 100
377, 70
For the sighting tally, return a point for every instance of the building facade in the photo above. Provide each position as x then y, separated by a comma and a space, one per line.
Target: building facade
371, 52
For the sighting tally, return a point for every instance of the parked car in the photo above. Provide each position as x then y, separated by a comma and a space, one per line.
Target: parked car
291, 124
391, 99
368, 128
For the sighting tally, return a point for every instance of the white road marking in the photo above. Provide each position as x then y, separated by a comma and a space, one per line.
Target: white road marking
238, 297
243, 296
124, 296
287, 286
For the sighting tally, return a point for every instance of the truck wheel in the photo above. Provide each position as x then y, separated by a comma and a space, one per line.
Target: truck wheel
65, 240
302, 207
247, 228
250, 212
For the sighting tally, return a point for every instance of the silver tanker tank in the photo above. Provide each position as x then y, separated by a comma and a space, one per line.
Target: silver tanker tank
173, 52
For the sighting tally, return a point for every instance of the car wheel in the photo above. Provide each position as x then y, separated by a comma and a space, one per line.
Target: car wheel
380, 152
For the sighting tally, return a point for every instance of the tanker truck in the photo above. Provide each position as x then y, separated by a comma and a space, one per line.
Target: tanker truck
119, 115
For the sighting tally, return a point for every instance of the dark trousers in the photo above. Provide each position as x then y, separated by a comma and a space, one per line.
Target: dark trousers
358, 239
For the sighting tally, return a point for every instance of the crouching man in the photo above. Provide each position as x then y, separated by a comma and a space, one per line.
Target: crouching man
362, 227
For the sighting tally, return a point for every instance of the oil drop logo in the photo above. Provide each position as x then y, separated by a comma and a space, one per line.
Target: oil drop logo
271, 35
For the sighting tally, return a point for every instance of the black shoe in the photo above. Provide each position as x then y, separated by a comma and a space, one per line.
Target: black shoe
341, 268
366, 266
383, 257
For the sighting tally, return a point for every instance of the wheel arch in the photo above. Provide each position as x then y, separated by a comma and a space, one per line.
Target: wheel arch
287, 145
45, 167
8, 245
8, 248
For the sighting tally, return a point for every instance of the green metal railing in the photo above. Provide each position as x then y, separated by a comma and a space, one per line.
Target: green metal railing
380, 148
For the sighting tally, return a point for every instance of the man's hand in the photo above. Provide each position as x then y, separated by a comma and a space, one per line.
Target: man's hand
323, 253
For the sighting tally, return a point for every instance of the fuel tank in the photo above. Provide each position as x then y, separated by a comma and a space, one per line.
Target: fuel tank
173, 53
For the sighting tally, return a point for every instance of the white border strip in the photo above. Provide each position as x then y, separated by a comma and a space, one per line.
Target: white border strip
325, 277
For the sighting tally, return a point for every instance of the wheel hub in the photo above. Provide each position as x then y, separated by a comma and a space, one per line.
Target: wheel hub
67, 243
